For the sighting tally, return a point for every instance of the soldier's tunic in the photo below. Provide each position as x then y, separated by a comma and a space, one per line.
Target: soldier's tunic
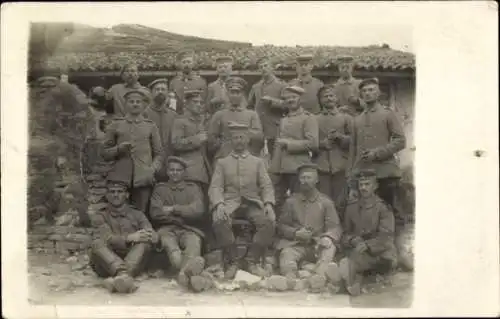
186, 145
370, 221
242, 184
347, 92
116, 93
182, 230
332, 157
309, 100
145, 157
301, 129
316, 214
218, 90
270, 112
378, 129
219, 135
182, 83
163, 117
110, 251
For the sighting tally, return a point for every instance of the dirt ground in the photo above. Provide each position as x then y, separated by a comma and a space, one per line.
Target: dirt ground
64, 280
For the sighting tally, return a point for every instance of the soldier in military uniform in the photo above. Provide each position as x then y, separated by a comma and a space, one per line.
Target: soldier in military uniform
187, 80
335, 131
116, 93
219, 137
265, 99
309, 229
241, 188
297, 140
368, 233
217, 96
177, 211
123, 241
378, 137
163, 116
311, 85
189, 139
346, 87
134, 143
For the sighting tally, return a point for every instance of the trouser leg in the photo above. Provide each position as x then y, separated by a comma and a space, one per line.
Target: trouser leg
270, 146
139, 197
289, 259
325, 256
264, 232
191, 245
325, 184
137, 258
170, 243
224, 237
282, 183
104, 261
387, 190
338, 182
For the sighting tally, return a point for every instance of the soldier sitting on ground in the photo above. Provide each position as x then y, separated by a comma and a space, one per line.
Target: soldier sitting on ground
310, 232
125, 238
368, 233
177, 210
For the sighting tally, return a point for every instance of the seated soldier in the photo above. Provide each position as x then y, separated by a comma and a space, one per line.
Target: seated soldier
177, 212
368, 234
125, 237
242, 188
310, 231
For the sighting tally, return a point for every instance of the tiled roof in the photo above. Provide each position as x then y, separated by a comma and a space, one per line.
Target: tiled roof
367, 58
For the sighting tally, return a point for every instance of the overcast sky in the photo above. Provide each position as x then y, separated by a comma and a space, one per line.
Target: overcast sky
279, 23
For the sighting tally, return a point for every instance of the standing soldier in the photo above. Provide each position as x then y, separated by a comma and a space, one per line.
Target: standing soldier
177, 211
335, 131
310, 230
241, 187
265, 99
378, 136
116, 93
134, 143
297, 140
187, 80
163, 116
219, 136
368, 233
346, 87
311, 85
217, 96
125, 238
189, 140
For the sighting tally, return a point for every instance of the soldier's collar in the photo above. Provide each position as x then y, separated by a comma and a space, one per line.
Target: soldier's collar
238, 108
311, 198
348, 81
117, 211
160, 108
374, 108
306, 80
195, 118
136, 85
187, 77
177, 186
369, 201
242, 155
131, 119
333, 111
298, 112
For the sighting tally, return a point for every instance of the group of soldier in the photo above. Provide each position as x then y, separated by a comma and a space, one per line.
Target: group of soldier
323, 206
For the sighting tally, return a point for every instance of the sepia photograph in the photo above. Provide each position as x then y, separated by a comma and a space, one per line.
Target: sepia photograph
185, 163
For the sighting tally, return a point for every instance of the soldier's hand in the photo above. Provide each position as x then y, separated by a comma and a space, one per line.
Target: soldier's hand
361, 247
203, 136
368, 156
269, 211
281, 142
124, 147
154, 237
168, 209
303, 235
139, 236
325, 242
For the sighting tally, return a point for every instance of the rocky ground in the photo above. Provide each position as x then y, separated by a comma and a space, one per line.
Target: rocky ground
67, 280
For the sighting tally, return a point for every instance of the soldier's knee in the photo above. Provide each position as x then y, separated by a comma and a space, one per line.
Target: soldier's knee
98, 244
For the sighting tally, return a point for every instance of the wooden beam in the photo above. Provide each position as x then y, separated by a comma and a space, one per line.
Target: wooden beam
320, 73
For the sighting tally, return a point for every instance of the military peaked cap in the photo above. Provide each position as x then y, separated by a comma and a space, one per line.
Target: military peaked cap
368, 81
188, 94
345, 59
307, 166
175, 159
224, 59
236, 83
157, 81
295, 89
185, 54
235, 126
306, 57
365, 174
141, 91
